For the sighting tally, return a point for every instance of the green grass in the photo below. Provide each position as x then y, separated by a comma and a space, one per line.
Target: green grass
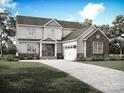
17, 77
119, 65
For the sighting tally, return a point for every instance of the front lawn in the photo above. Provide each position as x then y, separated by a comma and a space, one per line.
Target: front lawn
17, 77
119, 65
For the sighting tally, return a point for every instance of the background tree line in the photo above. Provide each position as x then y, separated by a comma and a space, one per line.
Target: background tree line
115, 32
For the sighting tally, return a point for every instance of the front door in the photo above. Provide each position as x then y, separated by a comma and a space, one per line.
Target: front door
48, 50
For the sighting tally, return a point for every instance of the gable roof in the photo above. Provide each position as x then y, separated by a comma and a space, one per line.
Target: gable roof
42, 21
75, 34
48, 39
49, 23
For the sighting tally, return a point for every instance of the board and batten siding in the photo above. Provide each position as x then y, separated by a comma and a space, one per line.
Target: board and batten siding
24, 32
53, 33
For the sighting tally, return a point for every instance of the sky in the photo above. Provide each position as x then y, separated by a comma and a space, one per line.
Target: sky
100, 11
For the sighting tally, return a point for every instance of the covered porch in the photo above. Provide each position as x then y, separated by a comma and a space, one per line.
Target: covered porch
48, 49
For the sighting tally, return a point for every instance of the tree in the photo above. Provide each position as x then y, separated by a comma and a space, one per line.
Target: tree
118, 26
105, 29
87, 22
7, 29
118, 32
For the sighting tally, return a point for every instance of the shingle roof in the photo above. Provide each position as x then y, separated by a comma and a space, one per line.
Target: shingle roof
69, 24
31, 20
41, 21
75, 34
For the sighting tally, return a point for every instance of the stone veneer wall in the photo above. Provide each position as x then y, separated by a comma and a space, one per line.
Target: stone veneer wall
89, 45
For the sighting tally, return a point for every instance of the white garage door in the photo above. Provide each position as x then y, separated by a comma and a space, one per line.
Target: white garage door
70, 53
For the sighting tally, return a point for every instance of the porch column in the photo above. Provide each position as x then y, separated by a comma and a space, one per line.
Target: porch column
40, 49
56, 49
84, 48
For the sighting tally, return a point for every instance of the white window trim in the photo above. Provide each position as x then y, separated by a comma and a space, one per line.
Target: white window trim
31, 31
97, 48
32, 47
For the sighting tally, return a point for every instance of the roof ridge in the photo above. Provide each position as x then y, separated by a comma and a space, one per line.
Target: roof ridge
33, 17
68, 21
21, 19
46, 18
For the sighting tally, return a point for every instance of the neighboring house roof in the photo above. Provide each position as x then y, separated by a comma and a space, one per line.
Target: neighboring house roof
42, 21
75, 34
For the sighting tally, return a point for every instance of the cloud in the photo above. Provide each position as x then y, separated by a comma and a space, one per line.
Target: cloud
91, 10
16, 13
71, 18
8, 3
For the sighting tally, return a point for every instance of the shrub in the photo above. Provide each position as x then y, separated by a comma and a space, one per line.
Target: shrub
81, 59
9, 57
93, 58
89, 59
12, 50
2, 58
113, 58
99, 58
107, 58
122, 58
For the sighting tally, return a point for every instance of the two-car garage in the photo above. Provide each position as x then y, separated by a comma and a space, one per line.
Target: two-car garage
70, 50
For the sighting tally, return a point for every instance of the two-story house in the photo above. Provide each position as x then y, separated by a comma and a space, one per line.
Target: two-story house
51, 38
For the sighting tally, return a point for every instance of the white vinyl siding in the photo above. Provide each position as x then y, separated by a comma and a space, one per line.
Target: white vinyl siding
97, 47
22, 48
29, 32
53, 33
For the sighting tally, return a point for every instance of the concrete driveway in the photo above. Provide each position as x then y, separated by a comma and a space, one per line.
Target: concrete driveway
104, 79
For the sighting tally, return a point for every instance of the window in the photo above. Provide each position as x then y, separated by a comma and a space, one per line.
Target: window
32, 47
97, 47
31, 31
66, 47
74, 46
28, 47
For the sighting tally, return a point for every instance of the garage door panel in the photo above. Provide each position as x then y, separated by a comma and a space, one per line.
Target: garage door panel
70, 54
